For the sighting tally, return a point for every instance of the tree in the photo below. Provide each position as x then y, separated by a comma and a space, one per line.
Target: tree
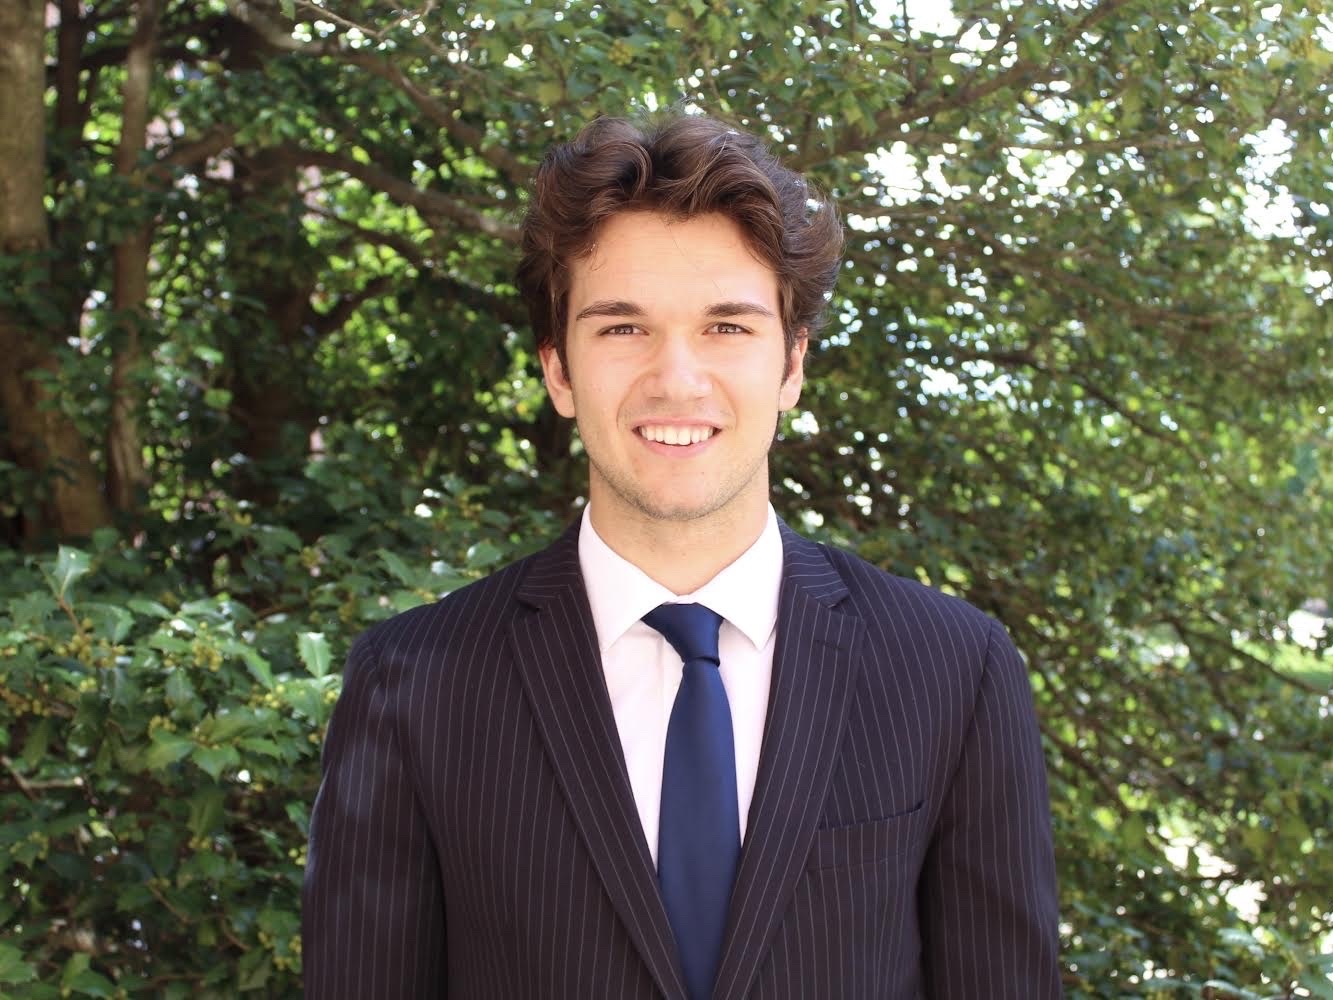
259, 260
42, 438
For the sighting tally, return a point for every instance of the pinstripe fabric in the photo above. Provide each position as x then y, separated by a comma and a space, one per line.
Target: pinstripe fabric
475, 832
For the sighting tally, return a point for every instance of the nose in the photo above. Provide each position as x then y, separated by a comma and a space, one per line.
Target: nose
678, 370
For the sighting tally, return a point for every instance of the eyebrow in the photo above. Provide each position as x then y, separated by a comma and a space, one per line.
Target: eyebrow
718, 310
609, 307
724, 310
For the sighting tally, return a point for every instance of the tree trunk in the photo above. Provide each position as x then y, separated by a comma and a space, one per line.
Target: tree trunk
271, 398
125, 475
44, 441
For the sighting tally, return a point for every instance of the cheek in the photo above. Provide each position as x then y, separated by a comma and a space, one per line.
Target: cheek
601, 386
596, 405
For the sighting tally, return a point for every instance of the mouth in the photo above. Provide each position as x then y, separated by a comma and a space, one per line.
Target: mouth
676, 434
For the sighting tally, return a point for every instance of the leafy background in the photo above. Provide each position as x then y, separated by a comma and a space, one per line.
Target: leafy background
267, 381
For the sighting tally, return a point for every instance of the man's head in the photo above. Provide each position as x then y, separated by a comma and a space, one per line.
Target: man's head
673, 275
680, 166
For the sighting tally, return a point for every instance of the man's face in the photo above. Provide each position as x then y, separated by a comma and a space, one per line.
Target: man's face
676, 370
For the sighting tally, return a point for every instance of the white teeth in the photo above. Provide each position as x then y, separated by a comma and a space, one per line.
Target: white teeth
671, 434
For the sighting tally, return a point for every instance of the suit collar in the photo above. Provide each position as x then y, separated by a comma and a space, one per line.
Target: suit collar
815, 662
815, 665
555, 649
806, 567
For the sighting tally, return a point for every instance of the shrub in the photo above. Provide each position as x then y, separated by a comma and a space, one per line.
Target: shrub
161, 737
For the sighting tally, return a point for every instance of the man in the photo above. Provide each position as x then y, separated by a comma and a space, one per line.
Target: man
682, 752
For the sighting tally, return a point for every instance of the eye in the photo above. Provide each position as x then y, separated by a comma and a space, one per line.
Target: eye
728, 328
620, 330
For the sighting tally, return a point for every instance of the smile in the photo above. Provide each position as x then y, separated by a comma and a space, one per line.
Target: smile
672, 434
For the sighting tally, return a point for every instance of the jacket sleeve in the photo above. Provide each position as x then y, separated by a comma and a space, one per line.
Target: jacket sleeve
373, 922
987, 901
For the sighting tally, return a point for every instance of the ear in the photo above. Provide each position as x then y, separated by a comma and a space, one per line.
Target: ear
790, 390
557, 382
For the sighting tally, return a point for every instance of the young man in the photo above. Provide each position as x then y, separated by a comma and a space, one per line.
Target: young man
682, 752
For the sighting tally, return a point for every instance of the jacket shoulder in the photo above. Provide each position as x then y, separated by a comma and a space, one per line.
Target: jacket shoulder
905, 603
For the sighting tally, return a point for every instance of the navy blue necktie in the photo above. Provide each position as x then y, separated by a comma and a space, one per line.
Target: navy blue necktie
698, 842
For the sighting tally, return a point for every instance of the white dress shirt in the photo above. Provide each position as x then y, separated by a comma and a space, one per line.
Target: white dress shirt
643, 671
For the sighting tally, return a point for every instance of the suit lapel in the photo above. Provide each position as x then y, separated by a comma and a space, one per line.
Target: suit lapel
815, 662
555, 647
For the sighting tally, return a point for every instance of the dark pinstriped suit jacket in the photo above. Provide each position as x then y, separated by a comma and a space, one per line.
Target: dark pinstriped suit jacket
475, 834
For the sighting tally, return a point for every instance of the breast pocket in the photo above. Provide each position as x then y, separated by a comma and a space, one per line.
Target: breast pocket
866, 843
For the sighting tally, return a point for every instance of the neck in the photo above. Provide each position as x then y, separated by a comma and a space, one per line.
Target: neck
681, 555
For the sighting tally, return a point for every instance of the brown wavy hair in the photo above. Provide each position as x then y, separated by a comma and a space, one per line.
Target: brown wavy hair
682, 165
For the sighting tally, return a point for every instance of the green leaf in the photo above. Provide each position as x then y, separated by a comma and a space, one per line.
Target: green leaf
314, 652
73, 868
299, 815
255, 968
405, 600
109, 620
166, 749
217, 399
152, 609
13, 969
1319, 984
32, 609
162, 845
258, 666
89, 984
34, 747
228, 724
77, 977
400, 570
1229, 989
178, 689
306, 697
1133, 830
483, 554
71, 565
208, 865
276, 539
260, 745
215, 760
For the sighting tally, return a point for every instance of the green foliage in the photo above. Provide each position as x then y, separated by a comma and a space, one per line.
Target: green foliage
1076, 370
160, 740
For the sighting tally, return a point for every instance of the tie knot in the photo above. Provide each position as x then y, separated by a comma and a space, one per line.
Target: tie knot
690, 628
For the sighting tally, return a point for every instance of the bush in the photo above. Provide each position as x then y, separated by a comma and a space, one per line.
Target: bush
161, 736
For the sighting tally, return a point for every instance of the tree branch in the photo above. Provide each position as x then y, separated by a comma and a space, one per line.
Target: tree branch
192, 153
435, 111
327, 322
431, 205
1188, 634
440, 114
30, 787
889, 121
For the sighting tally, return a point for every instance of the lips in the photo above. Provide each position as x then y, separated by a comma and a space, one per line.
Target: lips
676, 434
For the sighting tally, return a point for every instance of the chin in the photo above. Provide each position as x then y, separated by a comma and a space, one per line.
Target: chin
678, 511
658, 505
670, 501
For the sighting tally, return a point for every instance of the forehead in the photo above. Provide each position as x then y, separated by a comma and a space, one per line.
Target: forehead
658, 260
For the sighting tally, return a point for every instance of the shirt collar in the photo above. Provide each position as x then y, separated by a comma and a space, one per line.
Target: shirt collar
745, 592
